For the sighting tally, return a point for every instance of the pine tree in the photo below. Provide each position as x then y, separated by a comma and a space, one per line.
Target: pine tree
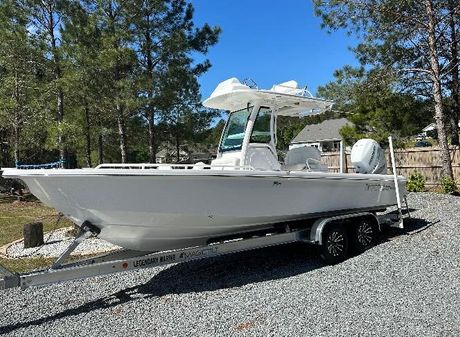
46, 19
117, 61
406, 38
84, 78
164, 32
18, 82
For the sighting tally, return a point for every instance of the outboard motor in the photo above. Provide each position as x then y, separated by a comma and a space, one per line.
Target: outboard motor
368, 157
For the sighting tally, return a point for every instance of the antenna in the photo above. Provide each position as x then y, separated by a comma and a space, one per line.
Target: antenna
306, 92
250, 83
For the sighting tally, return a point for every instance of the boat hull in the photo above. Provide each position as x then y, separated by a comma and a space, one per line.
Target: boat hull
159, 212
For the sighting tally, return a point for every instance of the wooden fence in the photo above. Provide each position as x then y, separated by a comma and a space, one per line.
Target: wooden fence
426, 161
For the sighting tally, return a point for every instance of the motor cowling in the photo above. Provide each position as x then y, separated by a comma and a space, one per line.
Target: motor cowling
368, 157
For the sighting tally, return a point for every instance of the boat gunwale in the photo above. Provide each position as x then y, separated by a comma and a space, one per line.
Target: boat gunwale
18, 173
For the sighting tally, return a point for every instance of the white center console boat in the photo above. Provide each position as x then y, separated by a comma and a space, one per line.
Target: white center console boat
154, 207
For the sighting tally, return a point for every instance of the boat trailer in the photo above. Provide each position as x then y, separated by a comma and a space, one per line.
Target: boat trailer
128, 260
328, 233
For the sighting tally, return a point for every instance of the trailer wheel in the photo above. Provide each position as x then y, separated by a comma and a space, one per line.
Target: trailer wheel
363, 235
334, 248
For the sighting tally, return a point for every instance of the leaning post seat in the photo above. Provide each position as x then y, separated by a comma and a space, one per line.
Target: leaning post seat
304, 158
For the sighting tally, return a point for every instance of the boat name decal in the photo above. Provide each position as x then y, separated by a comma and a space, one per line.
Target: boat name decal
203, 252
153, 260
378, 187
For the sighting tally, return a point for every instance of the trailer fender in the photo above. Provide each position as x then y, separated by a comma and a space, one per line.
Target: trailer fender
316, 233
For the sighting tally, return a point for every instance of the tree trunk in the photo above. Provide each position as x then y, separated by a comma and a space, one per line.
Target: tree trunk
437, 92
60, 92
454, 76
60, 119
87, 136
100, 145
16, 143
152, 152
117, 77
151, 109
16, 120
121, 132
177, 145
4, 148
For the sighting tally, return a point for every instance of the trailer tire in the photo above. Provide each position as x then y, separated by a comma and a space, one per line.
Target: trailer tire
363, 235
334, 248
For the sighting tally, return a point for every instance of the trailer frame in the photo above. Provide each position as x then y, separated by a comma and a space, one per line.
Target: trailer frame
129, 260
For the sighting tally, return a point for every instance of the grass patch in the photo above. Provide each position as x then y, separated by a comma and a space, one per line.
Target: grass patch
13, 216
26, 264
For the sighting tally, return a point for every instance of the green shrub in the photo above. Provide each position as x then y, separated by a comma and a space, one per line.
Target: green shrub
448, 185
416, 182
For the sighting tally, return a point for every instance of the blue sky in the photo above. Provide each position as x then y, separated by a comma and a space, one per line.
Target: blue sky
271, 42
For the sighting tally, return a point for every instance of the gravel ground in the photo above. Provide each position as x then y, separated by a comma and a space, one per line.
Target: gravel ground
56, 242
408, 285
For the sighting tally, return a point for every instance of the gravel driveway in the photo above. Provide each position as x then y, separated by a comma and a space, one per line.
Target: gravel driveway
408, 285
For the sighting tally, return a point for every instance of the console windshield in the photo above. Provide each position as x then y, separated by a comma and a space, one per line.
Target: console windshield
235, 128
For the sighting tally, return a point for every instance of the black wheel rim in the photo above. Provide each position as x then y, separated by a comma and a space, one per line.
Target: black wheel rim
365, 234
335, 243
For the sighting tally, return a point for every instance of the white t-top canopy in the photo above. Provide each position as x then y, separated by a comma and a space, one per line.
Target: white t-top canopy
287, 97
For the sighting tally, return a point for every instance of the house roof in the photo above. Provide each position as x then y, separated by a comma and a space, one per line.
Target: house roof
327, 130
162, 153
430, 127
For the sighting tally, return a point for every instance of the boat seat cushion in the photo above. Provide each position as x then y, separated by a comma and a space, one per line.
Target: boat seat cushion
261, 157
226, 162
